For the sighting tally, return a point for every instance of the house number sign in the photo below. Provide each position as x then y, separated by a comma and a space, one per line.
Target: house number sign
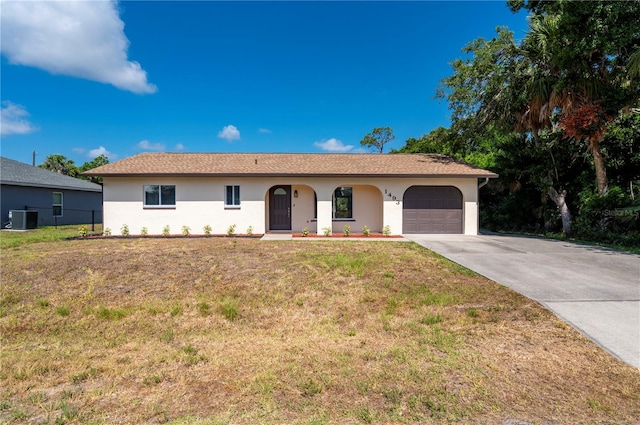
393, 197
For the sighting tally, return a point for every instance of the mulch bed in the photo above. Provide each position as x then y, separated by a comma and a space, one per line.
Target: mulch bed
340, 235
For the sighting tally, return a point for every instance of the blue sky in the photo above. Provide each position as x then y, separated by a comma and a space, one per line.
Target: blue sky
85, 78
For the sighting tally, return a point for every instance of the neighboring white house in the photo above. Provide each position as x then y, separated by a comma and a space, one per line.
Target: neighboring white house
410, 193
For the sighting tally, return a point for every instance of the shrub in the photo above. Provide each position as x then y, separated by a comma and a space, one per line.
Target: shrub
347, 230
605, 218
386, 230
144, 231
231, 230
166, 231
82, 231
207, 230
366, 231
124, 230
186, 230
106, 231
326, 231
305, 232
250, 230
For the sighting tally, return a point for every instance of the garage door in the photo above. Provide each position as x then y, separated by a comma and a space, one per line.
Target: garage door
432, 209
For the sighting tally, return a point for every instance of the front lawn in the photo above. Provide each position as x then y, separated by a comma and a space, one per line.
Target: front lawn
242, 331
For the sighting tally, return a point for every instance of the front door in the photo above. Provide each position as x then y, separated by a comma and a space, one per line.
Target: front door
280, 208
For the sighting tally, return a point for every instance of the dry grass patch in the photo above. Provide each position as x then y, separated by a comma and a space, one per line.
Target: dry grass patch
206, 331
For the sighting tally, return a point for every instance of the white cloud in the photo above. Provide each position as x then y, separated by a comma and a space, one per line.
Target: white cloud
179, 147
93, 153
264, 130
78, 150
13, 120
148, 146
78, 38
333, 145
229, 133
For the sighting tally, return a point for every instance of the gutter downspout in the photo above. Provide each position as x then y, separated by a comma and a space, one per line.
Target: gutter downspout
483, 184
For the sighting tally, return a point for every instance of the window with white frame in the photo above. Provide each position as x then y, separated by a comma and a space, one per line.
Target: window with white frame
57, 204
343, 202
156, 195
232, 196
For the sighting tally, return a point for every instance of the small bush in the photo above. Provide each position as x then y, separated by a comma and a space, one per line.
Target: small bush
305, 232
366, 231
124, 230
347, 230
83, 231
144, 231
250, 230
326, 231
231, 230
166, 231
386, 230
106, 231
207, 230
186, 230
62, 311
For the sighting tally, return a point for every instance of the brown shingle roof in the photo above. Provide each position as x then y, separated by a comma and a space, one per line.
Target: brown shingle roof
289, 164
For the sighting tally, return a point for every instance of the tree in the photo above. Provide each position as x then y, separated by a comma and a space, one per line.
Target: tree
60, 164
90, 165
490, 91
379, 137
585, 68
574, 72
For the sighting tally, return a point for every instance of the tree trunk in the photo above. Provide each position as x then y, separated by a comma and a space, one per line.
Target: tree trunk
598, 162
561, 202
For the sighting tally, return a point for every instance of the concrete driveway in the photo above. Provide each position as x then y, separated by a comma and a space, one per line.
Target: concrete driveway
596, 290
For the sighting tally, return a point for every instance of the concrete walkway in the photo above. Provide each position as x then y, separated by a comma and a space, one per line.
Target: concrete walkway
596, 290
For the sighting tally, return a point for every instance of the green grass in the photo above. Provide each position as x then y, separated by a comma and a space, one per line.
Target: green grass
14, 238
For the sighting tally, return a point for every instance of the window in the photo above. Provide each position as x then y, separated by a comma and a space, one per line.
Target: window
57, 204
343, 202
232, 196
158, 195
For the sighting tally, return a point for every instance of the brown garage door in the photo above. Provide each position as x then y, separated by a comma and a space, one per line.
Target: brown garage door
432, 209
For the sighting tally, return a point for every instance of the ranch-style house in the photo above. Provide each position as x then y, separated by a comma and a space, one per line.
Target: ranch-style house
286, 192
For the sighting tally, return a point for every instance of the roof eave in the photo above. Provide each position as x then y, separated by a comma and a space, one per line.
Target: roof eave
51, 186
319, 175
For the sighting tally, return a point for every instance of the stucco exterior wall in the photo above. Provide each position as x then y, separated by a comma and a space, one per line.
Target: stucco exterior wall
200, 202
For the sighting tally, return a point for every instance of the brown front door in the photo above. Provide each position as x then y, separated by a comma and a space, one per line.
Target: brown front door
280, 208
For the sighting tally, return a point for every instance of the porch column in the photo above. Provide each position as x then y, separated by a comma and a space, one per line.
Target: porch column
324, 214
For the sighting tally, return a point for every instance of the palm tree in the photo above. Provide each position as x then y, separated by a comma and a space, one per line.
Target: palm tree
583, 88
59, 164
